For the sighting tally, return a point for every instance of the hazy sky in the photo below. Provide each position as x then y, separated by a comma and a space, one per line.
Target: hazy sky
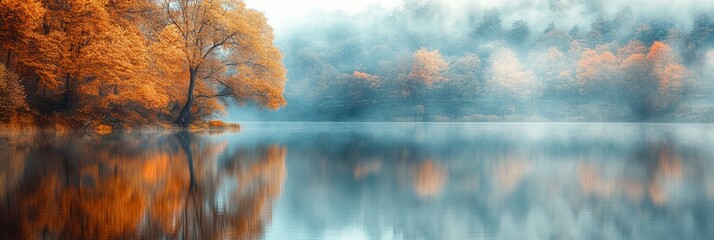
280, 12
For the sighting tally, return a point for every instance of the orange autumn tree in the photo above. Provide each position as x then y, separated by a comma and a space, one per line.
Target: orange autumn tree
651, 80
655, 78
417, 74
595, 72
227, 49
17, 21
671, 77
75, 43
114, 62
428, 66
13, 95
85, 58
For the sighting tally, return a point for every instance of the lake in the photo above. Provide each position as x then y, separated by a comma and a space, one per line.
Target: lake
363, 181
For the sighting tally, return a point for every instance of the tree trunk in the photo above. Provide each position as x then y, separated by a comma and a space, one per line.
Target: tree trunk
184, 138
68, 97
184, 117
7, 60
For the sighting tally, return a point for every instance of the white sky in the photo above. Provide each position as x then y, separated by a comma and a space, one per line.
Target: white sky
280, 12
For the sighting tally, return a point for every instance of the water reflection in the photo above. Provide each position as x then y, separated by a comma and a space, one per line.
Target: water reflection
364, 181
140, 185
496, 181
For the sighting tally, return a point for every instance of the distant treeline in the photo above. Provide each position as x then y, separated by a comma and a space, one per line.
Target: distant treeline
424, 62
71, 63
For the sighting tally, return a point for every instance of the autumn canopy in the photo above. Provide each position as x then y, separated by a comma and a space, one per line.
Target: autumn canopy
134, 62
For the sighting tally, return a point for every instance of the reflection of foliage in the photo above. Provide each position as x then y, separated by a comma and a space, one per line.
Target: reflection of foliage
580, 179
140, 186
429, 179
367, 176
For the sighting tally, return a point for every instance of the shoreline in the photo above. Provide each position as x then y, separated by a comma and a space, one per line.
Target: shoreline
104, 129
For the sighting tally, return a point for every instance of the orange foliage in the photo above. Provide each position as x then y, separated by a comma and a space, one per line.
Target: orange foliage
372, 79
671, 75
428, 66
661, 55
596, 68
667, 68
635, 69
115, 62
12, 93
18, 19
632, 48
87, 57
229, 46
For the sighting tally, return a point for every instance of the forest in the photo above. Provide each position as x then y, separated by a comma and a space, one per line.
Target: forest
124, 63
441, 60
69, 63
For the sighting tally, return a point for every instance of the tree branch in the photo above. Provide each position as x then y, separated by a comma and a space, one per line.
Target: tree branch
173, 20
255, 65
216, 95
218, 44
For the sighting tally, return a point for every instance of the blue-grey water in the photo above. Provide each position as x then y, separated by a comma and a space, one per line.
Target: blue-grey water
363, 181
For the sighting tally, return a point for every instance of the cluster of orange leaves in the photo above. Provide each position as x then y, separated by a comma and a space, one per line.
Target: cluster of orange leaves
372, 79
428, 66
129, 61
658, 65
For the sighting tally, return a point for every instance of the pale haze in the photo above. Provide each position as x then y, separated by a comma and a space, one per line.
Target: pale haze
281, 12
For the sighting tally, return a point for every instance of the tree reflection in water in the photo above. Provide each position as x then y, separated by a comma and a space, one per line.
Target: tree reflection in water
136, 185
364, 180
498, 181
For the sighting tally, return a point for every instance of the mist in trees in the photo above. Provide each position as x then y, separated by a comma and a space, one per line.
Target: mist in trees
442, 60
137, 62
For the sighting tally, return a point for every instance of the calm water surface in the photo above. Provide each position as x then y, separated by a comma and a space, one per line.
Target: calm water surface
363, 181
